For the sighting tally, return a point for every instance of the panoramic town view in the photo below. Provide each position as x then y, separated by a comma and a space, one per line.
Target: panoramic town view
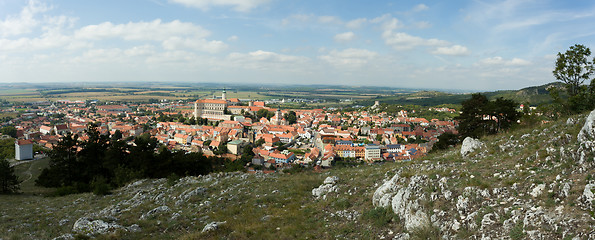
274, 119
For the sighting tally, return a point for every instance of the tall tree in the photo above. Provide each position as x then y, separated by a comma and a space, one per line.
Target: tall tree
9, 182
482, 117
574, 67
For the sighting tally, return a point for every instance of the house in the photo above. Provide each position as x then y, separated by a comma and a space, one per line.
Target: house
23, 149
45, 129
372, 152
61, 129
236, 146
182, 138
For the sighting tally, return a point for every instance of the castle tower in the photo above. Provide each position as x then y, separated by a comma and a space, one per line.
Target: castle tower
223, 95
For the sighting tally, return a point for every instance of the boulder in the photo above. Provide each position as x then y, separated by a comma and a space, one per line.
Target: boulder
538, 190
327, 186
404, 200
587, 133
90, 227
331, 180
155, 211
213, 226
470, 145
588, 197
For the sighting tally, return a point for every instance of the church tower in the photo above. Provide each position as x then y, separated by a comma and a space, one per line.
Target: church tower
223, 95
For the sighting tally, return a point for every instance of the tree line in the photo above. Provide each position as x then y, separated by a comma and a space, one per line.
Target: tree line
101, 163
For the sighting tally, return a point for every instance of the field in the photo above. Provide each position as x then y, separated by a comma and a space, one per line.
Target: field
295, 96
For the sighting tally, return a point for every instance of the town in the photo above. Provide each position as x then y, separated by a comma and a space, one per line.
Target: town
229, 127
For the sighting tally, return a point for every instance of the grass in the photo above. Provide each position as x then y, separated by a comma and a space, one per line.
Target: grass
281, 206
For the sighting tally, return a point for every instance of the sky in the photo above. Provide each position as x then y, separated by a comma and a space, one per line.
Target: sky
463, 45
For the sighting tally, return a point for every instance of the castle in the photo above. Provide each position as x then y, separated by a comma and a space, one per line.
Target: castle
213, 109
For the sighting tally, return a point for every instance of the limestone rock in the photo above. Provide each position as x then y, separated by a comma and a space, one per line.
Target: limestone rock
155, 211
538, 190
587, 133
331, 180
588, 197
92, 227
326, 187
404, 200
470, 145
213, 226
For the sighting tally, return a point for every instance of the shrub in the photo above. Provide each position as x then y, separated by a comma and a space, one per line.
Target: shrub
517, 232
380, 216
100, 186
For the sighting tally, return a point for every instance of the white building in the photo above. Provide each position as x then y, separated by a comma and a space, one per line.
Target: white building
372, 152
23, 150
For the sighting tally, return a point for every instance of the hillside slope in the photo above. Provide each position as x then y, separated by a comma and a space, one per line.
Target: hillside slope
532, 183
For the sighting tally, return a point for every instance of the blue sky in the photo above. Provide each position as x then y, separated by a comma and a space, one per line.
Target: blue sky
468, 45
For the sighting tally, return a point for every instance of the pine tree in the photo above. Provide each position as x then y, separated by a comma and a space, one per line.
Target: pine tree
9, 182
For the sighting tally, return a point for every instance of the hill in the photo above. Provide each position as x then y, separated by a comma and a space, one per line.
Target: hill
533, 95
531, 183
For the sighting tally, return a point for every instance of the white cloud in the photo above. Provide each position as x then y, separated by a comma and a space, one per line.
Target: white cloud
456, 50
265, 60
146, 31
420, 7
499, 61
423, 25
350, 57
177, 43
25, 21
344, 37
329, 19
237, 5
404, 41
232, 38
356, 23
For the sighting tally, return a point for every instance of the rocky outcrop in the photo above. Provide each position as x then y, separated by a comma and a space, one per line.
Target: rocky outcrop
587, 133
91, 227
471, 145
405, 201
212, 226
327, 186
154, 212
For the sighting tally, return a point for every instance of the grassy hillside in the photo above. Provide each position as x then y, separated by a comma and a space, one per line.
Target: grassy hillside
525, 184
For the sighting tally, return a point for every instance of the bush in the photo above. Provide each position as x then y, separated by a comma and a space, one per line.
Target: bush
380, 216
100, 186
517, 233
9, 182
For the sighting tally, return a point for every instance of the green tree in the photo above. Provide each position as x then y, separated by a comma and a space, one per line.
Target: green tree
481, 117
10, 131
290, 117
471, 118
9, 182
574, 67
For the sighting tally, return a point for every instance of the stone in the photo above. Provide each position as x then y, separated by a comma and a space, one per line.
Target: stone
90, 227
331, 180
326, 187
538, 190
67, 236
470, 145
587, 133
134, 228
588, 196
212, 226
155, 211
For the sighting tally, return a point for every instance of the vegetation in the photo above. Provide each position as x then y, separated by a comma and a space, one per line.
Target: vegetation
101, 163
9, 182
573, 68
482, 117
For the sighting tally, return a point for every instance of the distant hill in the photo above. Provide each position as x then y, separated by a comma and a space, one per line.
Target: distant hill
532, 95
